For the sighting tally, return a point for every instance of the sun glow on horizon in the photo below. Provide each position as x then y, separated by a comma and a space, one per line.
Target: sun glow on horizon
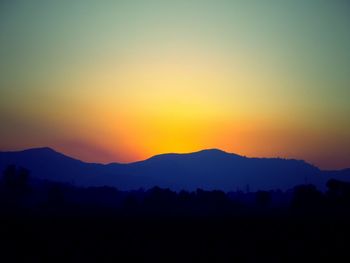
126, 80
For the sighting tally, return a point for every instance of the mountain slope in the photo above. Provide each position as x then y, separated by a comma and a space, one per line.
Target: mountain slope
46, 163
208, 169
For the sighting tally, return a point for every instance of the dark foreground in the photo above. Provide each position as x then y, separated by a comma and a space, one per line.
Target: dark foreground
238, 239
50, 222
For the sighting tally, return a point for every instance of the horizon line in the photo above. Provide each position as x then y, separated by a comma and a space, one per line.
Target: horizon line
168, 153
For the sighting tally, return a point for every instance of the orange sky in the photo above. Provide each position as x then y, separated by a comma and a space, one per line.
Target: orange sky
124, 81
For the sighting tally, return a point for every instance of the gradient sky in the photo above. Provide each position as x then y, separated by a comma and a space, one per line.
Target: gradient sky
124, 80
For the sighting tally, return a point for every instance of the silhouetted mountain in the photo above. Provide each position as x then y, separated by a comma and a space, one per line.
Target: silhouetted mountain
46, 163
207, 169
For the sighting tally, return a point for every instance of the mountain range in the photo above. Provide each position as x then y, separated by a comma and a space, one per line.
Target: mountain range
207, 169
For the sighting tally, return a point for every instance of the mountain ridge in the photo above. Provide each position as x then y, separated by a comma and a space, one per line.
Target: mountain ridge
216, 151
208, 169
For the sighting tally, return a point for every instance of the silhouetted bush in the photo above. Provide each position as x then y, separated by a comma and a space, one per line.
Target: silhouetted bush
339, 194
263, 199
307, 198
160, 201
55, 195
213, 224
16, 183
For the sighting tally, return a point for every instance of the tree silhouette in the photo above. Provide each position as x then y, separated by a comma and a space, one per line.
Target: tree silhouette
307, 198
160, 201
23, 180
16, 180
263, 198
9, 177
16, 184
338, 192
55, 195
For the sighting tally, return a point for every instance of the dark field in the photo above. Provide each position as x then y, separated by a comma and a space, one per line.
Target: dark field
43, 221
164, 239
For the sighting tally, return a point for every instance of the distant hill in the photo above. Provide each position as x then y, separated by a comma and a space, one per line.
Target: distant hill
207, 169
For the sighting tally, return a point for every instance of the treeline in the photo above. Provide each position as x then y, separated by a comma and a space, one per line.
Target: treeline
19, 193
42, 221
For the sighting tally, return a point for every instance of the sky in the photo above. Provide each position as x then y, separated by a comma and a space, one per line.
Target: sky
107, 81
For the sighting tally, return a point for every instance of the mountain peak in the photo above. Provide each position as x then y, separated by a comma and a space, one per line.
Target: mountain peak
206, 153
208, 168
31, 150
215, 151
212, 150
45, 150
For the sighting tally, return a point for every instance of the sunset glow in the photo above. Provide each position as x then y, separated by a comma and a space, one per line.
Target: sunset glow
126, 80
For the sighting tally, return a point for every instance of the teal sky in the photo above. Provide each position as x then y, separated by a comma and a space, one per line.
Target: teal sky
91, 78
